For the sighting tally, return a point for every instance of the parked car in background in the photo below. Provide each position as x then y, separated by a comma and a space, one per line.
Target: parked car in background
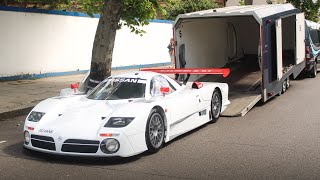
312, 47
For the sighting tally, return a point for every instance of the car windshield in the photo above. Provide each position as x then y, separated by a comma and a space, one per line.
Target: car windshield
119, 88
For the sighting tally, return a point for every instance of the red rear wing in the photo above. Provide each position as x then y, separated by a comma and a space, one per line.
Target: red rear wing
223, 71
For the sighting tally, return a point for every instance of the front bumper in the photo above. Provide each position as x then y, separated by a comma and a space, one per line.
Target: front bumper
56, 144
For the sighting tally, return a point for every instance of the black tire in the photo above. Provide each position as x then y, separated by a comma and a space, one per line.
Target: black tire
216, 104
284, 86
288, 82
155, 131
313, 72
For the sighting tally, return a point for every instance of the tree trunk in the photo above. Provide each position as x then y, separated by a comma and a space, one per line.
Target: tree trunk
102, 51
248, 2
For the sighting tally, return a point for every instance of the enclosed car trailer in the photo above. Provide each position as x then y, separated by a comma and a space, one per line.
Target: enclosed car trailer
264, 46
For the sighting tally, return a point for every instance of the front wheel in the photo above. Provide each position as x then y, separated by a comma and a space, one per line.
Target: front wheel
216, 104
155, 131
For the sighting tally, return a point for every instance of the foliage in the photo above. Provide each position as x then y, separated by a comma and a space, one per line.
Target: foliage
53, 4
134, 13
268, 1
309, 7
185, 6
241, 2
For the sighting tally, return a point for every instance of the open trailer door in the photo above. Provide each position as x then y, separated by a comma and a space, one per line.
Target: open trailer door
300, 37
279, 48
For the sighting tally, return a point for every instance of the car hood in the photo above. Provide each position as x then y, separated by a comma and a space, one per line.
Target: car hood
76, 119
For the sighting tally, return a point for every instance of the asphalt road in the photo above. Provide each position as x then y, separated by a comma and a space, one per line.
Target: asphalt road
278, 140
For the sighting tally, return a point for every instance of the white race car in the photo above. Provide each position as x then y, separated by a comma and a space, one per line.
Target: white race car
124, 115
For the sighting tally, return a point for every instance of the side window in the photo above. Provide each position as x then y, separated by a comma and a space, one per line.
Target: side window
156, 83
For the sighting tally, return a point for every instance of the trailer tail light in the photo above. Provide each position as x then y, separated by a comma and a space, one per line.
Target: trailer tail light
308, 58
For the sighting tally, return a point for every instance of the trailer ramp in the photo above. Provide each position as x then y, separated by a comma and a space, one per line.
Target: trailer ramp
241, 104
244, 87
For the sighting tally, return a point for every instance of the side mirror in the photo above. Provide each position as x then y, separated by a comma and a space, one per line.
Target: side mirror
74, 87
164, 90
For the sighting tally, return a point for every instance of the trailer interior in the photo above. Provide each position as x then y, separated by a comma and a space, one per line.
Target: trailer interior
231, 42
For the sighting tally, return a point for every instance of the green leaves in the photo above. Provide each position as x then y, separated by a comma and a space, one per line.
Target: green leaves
134, 13
309, 7
91, 6
51, 4
138, 13
185, 6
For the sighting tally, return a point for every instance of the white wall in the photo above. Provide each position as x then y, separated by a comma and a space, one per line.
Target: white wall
34, 43
132, 49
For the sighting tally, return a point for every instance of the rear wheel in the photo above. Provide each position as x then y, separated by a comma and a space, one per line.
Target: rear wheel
216, 104
155, 131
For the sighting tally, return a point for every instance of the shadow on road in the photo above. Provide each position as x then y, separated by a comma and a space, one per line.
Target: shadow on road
17, 150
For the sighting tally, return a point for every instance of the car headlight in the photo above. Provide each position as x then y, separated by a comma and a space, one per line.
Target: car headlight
109, 146
35, 116
26, 137
118, 122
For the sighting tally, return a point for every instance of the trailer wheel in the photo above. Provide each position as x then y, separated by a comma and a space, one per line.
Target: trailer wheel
313, 72
216, 104
288, 82
284, 86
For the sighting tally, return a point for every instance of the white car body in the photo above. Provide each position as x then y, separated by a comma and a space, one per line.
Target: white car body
82, 120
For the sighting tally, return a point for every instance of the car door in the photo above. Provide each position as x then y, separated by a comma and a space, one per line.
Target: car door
181, 103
